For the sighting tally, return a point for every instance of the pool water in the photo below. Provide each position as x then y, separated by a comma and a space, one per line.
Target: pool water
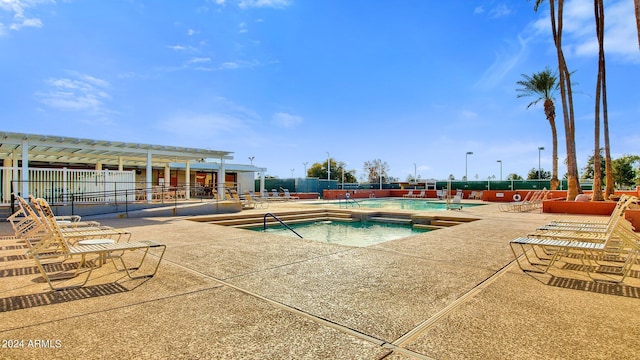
358, 234
402, 204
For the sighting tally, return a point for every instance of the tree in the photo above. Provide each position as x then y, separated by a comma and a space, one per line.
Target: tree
534, 175
543, 86
319, 170
625, 170
589, 173
573, 185
601, 96
373, 170
514, 176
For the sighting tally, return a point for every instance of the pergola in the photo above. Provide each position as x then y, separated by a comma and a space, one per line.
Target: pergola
18, 150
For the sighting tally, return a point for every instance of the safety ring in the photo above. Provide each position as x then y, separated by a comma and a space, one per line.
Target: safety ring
517, 197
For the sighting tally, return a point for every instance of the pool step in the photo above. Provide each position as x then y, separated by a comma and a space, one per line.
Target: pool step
427, 227
257, 220
273, 222
444, 223
390, 220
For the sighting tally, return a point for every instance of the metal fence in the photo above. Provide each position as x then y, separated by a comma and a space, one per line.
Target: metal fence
315, 185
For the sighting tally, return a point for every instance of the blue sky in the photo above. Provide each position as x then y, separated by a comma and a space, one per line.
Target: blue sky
286, 81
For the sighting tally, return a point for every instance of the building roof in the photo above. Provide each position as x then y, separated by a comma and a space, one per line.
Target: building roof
67, 150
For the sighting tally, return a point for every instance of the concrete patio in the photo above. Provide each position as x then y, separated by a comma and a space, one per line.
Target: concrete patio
226, 293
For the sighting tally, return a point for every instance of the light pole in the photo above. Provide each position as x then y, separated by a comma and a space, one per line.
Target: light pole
292, 172
415, 173
500, 161
305, 168
466, 161
251, 159
329, 169
539, 168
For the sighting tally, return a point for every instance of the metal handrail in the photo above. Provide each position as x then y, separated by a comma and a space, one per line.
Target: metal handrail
346, 201
264, 224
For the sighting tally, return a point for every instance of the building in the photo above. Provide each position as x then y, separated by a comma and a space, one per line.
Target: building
61, 168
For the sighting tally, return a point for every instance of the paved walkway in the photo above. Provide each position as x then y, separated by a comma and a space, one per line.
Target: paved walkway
225, 293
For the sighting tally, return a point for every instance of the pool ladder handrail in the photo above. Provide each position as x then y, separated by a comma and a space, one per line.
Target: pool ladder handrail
264, 224
347, 200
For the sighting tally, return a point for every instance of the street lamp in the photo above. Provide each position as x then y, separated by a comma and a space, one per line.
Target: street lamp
500, 161
539, 168
415, 173
329, 169
305, 168
251, 159
466, 157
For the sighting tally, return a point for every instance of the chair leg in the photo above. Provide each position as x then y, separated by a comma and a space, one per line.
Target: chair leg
56, 277
131, 270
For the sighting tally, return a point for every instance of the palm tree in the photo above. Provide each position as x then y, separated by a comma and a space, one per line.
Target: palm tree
573, 184
543, 86
600, 87
637, 6
601, 93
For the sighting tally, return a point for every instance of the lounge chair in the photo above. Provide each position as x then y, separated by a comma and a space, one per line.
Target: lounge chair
55, 246
560, 226
440, 194
276, 195
288, 196
620, 242
622, 204
409, 194
256, 202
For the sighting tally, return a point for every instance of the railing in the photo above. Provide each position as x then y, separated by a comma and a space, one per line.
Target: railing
347, 200
264, 224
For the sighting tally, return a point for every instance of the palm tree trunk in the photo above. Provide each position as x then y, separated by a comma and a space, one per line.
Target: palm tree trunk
637, 5
551, 117
597, 169
573, 185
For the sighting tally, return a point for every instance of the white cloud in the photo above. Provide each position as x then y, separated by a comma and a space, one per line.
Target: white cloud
478, 10
579, 29
500, 11
242, 27
207, 125
286, 120
197, 60
468, 114
278, 4
18, 10
504, 62
33, 22
81, 92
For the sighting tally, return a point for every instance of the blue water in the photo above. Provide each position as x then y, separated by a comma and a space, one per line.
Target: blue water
399, 204
358, 234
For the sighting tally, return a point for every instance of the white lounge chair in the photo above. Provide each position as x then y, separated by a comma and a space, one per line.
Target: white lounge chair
55, 246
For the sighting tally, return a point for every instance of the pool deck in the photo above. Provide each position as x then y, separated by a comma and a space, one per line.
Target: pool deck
225, 293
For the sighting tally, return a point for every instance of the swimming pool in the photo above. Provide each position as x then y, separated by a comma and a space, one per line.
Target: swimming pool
359, 233
396, 203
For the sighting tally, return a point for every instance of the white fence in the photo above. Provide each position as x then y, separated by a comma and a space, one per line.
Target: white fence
64, 185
